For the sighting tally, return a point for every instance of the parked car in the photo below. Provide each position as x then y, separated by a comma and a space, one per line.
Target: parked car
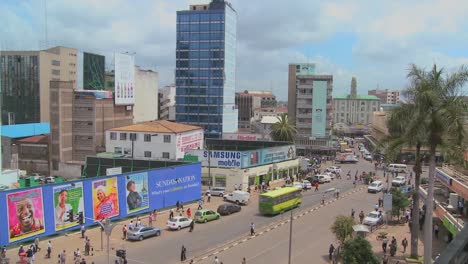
238, 197
375, 187
143, 232
3, 187
216, 191
368, 156
306, 185
373, 219
203, 216
330, 175
298, 185
399, 181
334, 169
178, 222
321, 178
312, 180
227, 209
405, 189
50, 179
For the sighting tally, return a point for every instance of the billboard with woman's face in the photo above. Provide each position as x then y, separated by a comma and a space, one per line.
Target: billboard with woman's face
105, 198
68, 203
137, 192
25, 214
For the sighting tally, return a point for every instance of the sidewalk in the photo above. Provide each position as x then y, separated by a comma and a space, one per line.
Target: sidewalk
71, 241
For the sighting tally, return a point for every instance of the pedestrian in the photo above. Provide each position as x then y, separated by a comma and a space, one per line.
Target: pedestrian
87, 246
330, 251
177, 205
252, 229
361, 217
380, 202
216, 260
189, 213
138, 223
124, 232
63, 257
376, 207
36, 244
200, 202
83, 230
131, 226
83, 261
240, 187
49, 249
337, 191
244, 261
183, 253
404, 243
77, 254
171, 213
192, 224
352, 212
155, 214
385, 259
150, 219
29, 253
323, 198
384, 244
316, 186
436, 231
235, 187
209, 196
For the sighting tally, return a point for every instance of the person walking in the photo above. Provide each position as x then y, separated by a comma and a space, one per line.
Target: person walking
200, 202
316, 186
189, 213
138, 223
331, 249
131, 226
83, 230
436, 231
183, 253
124, 232
216, 260
244, 261
361, 217
29, 254
36, 244
352, 212
178, 206
87, 246
192, 224
404, 243
385, 259
150, 219
384, 244
171, 213
209, 196
252, 229
63, 257
49, 249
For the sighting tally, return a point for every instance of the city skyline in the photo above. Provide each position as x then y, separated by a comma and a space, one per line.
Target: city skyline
376, 47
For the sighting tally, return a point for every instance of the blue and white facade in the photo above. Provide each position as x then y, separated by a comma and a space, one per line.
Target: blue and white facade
206, 67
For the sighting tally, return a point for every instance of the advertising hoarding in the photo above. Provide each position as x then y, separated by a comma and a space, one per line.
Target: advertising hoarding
105, 198
124, 79
93, 71
25, 214
137, 192
191, 140
67, 197
319, 108
217, 158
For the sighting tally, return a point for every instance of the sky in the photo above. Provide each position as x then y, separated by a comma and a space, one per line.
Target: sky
376, 41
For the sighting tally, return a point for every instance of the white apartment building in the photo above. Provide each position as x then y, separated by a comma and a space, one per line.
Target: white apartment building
167, 102
160, 139
355, 110
146, 95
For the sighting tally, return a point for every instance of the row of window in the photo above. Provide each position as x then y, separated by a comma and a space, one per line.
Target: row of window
203, 54
200, 91
211, 82
199, 63
200, 17
190, 36
195, 45
199, 109
215, 119
199, 73
134, 137
214, 26
199, 100
147, 154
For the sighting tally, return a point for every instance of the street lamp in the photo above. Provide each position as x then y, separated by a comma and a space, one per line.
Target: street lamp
290, 236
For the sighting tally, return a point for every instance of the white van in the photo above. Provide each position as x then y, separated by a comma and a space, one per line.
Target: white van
397, 168
238, 197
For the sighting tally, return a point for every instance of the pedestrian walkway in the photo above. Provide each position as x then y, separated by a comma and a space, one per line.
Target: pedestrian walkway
73, 241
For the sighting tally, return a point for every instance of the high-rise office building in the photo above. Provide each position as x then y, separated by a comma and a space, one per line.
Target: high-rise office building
24, 82
206, 67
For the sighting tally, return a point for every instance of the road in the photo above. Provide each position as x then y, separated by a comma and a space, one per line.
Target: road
208, 237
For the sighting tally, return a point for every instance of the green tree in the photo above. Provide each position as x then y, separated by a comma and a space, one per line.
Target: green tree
399, 202
358, 251
399, 138
283, 130
343, 227
439, 110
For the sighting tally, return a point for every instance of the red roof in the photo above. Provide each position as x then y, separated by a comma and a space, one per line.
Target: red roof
34, 139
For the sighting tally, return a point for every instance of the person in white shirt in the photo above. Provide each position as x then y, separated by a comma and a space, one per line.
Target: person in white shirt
131, 225
62, 208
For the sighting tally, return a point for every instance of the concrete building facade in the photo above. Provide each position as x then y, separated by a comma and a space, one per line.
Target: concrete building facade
248, 101
357, 110
24, 82
160, 139
146, 95
206, 67
166, 97
386, 96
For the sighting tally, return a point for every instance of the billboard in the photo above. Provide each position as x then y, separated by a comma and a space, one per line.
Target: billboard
268, 155
137, 192
319, 108
93, 71
25, 214
216, 158
67, 197
105, 198
124, 79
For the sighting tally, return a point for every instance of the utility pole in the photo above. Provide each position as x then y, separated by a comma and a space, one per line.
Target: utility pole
290, 236
107, 226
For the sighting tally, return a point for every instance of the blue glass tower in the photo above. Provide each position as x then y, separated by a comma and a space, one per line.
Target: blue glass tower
206, 67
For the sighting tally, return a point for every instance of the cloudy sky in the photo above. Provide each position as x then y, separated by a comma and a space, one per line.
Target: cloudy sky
372, 40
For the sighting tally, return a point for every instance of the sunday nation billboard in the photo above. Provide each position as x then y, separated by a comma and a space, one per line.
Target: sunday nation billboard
124, 79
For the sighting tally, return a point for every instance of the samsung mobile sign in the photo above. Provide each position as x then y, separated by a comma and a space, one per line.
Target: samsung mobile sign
217, 158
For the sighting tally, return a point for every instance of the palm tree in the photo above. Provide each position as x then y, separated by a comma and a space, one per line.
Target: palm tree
399, 138
283, 130
439, 111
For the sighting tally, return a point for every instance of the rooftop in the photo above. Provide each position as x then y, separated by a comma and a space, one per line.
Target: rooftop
35, 139
358, 97
158, 126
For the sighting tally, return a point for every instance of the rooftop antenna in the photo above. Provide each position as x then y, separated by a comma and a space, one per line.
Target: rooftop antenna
45, 25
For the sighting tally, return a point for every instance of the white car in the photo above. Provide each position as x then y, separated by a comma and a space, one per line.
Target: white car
298, 185
326, 178
306, 185
178, 222
375, 187
399, 181
330, 175
373, 219
334, 169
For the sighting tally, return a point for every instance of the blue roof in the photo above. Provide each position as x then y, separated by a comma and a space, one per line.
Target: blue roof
25, 130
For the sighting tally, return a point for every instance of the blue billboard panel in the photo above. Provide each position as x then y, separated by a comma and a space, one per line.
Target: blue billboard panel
268, 156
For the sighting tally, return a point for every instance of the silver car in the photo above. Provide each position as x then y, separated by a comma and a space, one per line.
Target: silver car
143, 232
216, 191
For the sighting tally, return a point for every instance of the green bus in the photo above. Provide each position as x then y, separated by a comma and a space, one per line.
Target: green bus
277, 201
